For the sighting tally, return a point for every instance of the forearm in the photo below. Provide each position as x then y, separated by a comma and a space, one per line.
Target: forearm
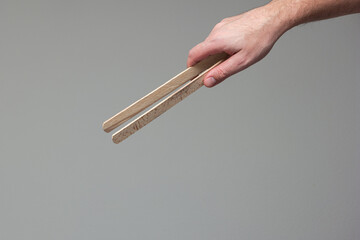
291, 13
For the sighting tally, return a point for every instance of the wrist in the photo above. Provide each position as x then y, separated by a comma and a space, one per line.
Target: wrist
281, 15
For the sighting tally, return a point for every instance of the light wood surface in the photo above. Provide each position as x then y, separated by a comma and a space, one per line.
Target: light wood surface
161, 92
162, 107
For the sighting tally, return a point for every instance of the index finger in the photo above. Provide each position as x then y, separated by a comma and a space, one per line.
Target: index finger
201, 51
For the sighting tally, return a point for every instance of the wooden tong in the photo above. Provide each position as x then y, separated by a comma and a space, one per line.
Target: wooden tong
194, 75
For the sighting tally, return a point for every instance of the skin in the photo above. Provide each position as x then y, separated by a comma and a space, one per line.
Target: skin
249, 37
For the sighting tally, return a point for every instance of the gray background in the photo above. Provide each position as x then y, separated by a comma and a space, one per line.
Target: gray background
272, 153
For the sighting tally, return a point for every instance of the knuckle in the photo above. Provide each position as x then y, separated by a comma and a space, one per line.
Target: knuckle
221, 23
245, 60
225, 20
230, 50
215, 39
211, 40
190, 53
218, 25
241, 62
221, 72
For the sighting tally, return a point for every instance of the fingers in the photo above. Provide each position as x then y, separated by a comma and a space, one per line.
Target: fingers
203, 50
232, 65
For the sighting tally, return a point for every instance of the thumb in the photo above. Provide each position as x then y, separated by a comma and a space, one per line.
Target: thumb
229, 67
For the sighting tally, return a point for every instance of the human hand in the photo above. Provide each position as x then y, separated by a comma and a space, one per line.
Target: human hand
247, 38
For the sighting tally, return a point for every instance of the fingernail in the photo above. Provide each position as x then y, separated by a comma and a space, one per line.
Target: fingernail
209, 82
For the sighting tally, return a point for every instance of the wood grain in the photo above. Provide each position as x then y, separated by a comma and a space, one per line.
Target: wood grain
160, 108
160, 92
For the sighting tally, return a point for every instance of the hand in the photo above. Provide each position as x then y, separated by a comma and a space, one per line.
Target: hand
247, 38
